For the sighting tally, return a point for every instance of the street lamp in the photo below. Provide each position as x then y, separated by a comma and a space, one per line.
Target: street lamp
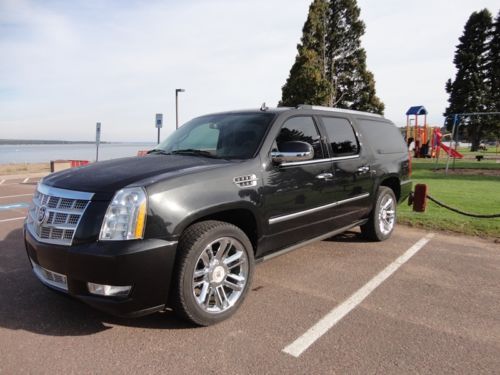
177, 91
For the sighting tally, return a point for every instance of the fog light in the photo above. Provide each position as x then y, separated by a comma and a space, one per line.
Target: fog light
109, 290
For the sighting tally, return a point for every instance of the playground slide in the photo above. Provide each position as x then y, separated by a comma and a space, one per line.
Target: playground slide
453, 153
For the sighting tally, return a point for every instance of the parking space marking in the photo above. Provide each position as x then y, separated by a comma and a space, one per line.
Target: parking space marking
15, 196
300, 345
2, 181
12, 219
26, 180
12, 206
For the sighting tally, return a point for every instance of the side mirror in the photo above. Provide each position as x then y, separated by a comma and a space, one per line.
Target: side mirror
292, 151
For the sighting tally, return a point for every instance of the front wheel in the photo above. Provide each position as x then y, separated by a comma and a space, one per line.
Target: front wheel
383, 216
214, 272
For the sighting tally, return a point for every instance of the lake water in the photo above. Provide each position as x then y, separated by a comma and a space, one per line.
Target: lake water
46, 153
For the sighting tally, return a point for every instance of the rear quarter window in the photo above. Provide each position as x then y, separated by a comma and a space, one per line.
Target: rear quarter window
383, 137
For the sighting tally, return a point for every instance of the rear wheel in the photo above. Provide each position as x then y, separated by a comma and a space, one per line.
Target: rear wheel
383, 217
214, 272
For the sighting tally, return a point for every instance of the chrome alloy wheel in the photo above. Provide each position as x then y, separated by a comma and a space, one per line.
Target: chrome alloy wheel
387, 214
220, 275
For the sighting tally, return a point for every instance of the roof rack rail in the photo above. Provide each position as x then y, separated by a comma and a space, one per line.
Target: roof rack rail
338, 110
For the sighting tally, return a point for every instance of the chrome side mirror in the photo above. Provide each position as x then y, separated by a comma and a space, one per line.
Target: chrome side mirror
292, 151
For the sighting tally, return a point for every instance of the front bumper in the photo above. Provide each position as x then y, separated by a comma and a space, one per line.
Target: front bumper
146, 265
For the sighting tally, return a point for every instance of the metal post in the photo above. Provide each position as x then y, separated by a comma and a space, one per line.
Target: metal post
177, 91
97, 140
455, 120
159, 124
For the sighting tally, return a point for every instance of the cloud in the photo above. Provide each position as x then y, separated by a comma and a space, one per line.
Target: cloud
67, 65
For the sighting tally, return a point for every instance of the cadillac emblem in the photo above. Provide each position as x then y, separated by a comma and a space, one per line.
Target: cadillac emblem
42, 213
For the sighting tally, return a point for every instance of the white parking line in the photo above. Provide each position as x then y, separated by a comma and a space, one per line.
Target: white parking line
2, 181
297, 347
15, 196
14, 218
26, 180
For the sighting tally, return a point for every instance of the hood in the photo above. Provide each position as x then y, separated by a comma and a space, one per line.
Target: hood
112, 175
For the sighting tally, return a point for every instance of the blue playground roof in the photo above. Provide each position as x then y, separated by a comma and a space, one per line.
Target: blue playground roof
416, 110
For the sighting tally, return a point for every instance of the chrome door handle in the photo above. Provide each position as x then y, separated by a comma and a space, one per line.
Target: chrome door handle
324, 176
363, 169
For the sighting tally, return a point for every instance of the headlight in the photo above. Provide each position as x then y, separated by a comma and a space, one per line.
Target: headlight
126, 216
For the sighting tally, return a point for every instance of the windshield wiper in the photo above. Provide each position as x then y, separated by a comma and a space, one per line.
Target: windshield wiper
192, 151
159, 151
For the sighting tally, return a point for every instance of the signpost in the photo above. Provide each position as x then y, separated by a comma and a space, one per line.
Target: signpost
159, 123
97, 140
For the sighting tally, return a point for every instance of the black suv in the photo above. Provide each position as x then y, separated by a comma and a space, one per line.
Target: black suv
183, 226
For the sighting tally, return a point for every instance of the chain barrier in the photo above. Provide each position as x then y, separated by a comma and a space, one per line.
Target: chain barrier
462, 212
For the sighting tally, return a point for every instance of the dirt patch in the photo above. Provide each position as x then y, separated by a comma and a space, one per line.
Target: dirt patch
470, 172
13, 168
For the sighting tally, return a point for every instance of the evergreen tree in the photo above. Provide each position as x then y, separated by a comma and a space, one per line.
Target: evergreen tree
353, 86
330, 68
493, 78
307, 82
469, 91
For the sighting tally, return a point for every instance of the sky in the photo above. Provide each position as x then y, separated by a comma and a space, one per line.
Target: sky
65, 65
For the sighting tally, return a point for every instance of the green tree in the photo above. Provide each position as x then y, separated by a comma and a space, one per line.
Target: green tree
330, 67
469, 91
493, 78
307, 81
353, 86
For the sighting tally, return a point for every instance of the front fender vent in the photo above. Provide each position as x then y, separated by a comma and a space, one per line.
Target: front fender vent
246, 181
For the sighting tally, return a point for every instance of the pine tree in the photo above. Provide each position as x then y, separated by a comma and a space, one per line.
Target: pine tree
493, 78
469, 91
307, 82
330, 68
353, 86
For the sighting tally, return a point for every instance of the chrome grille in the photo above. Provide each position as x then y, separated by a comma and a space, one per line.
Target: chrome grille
55, 213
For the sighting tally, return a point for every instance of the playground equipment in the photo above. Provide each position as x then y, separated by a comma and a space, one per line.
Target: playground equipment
425, 141
415, 134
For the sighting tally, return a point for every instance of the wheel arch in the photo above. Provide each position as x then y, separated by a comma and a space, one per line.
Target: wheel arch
393, 183
242, 217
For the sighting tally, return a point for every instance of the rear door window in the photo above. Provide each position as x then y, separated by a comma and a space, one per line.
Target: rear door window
341, 136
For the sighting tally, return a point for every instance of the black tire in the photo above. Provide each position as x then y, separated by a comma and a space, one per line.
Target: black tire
382, 220
208, 290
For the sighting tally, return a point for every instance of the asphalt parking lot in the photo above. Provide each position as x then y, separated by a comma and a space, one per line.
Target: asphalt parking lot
418, 303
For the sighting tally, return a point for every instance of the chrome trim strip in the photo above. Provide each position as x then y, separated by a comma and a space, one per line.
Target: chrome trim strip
279, 219
305, 243
63, 193
338, 158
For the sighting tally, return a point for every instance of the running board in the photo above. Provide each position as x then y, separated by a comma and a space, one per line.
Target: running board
305, 243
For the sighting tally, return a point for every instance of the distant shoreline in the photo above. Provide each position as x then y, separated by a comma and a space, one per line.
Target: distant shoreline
41, 142
18, 142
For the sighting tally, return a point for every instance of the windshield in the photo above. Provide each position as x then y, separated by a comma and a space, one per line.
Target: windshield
226, 136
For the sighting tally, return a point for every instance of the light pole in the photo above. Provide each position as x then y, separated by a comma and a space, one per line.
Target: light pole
177, 91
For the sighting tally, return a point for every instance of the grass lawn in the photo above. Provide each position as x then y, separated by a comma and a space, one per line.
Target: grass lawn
475, 188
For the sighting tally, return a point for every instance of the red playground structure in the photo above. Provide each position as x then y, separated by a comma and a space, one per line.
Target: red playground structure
425, 141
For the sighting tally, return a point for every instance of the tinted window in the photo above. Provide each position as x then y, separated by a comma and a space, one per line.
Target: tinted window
382, 136
228, 136
341, 136
301, 129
